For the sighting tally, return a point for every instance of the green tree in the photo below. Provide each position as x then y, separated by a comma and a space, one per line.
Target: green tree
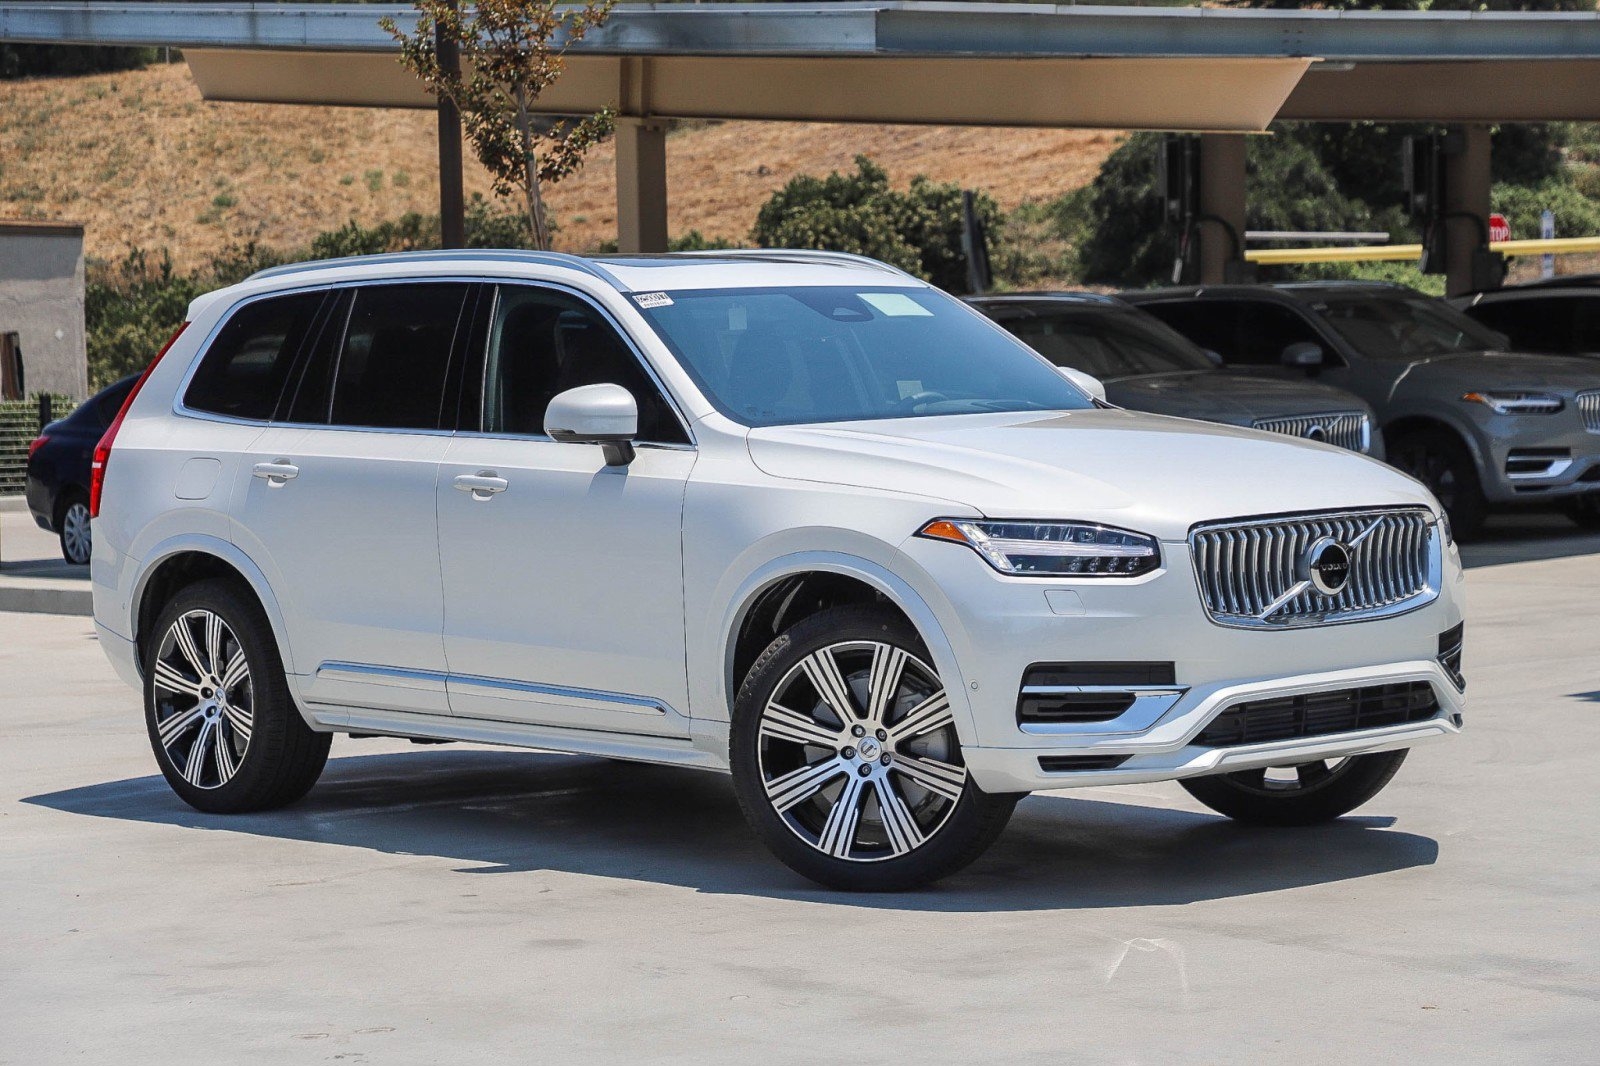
511, 51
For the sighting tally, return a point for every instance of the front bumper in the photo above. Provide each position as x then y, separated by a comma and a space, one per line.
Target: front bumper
1538, 457
1165, 750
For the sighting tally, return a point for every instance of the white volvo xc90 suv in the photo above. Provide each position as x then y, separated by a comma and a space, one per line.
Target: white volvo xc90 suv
793, 515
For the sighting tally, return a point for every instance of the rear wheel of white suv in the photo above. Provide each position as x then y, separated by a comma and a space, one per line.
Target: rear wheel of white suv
1303, 794
223, 726
846, 761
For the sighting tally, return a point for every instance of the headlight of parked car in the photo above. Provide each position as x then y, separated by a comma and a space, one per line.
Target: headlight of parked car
1516, 403
1447, 533
1051, 549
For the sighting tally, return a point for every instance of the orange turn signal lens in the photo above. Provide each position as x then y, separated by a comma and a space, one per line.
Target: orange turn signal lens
941, 529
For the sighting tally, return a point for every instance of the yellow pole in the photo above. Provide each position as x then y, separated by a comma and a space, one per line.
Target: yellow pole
1390, 253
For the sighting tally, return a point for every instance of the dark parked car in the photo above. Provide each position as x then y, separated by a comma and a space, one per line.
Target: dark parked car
1146, 366
58, 469
1480, 426
1560, 316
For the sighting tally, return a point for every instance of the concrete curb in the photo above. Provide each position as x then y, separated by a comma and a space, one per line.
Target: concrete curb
16, 504
44, 598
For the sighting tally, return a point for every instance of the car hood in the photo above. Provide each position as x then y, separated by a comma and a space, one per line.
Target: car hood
1146, 472
1560, 374
1218, 396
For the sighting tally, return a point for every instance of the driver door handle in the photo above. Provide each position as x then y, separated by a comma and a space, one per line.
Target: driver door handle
483, 485
276, 472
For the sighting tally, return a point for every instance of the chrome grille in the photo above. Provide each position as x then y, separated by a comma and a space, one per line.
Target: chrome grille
1347, 429
1256, 573
1589, 407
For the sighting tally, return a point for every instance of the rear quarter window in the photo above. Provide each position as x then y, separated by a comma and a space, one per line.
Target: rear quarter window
243, 373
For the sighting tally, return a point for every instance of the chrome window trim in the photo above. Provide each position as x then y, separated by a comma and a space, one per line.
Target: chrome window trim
183, 410
1433, 581
431, 680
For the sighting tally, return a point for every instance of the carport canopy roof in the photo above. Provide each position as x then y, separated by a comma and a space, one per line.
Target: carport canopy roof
915, 62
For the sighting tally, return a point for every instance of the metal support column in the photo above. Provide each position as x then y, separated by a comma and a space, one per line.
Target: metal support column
1222, 206
452, 222
641, 185
1466, 206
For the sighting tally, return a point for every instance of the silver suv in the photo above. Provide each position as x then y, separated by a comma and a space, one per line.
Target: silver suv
1480, 426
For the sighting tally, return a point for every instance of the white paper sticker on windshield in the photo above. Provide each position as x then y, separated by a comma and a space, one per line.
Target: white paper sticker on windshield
896, 304
652, 299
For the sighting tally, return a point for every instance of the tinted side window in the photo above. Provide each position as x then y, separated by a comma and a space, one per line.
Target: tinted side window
1210, 324
1533, 325
109, 402
395, 356
1586, 333
543, 342
1263, 330
244, 371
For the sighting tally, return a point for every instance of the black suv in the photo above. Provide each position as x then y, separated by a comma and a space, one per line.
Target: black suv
58, 469
1480, 426
1147, 366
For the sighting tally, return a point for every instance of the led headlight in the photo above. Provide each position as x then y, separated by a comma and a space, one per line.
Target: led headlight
1516, 403
1447, 533
1051, 549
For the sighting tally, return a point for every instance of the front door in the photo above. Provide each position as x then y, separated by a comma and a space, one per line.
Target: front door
563, 577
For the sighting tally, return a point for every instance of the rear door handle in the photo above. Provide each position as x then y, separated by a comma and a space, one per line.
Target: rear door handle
482, 485
276, 472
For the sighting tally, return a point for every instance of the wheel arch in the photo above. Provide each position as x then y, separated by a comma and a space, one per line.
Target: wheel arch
181, 562
794, 587
1397, 427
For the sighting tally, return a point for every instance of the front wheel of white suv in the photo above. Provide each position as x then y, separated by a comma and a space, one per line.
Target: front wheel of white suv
846, 761
1303, 794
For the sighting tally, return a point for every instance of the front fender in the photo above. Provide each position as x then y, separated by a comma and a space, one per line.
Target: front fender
738, 595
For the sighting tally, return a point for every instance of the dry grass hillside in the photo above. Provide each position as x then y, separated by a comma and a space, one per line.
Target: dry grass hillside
144, 162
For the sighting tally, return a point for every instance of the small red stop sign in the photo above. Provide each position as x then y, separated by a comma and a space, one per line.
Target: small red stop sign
1499, 229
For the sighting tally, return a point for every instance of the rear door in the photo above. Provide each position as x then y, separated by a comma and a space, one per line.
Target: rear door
338, 498
563, 577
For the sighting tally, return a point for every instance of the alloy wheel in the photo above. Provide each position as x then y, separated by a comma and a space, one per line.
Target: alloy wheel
75, 542
1301, 777
858, 751
204, 699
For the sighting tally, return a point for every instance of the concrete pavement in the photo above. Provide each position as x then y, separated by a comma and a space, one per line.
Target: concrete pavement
461, 904
33, 576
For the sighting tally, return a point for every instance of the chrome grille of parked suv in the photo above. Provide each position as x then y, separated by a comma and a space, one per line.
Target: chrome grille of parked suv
1347, 429
1589, 406
1266, 572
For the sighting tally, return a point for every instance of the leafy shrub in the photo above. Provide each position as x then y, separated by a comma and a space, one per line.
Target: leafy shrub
918, 230
1576, 214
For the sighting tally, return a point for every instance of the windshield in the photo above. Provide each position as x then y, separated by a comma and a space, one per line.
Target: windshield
1403, 327
1108, 343
770, 357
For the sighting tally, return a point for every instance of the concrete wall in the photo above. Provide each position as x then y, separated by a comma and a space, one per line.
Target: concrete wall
41, 299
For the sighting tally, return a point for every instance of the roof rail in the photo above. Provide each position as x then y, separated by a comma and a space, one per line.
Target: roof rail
804, 255
490, 255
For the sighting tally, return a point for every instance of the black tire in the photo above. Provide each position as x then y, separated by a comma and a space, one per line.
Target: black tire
1439, 460
72, 527
952, 822
1584, 511
1320, 795
271, 758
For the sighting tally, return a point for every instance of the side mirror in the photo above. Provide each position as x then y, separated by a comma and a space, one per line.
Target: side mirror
1303, 354
1087, 382
606, 415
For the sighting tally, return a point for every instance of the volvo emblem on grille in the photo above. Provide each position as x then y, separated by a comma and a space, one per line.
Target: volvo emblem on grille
1326, 564
1317, 432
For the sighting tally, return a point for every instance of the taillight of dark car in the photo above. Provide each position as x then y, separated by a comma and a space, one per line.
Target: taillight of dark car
102, 451
38, 442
